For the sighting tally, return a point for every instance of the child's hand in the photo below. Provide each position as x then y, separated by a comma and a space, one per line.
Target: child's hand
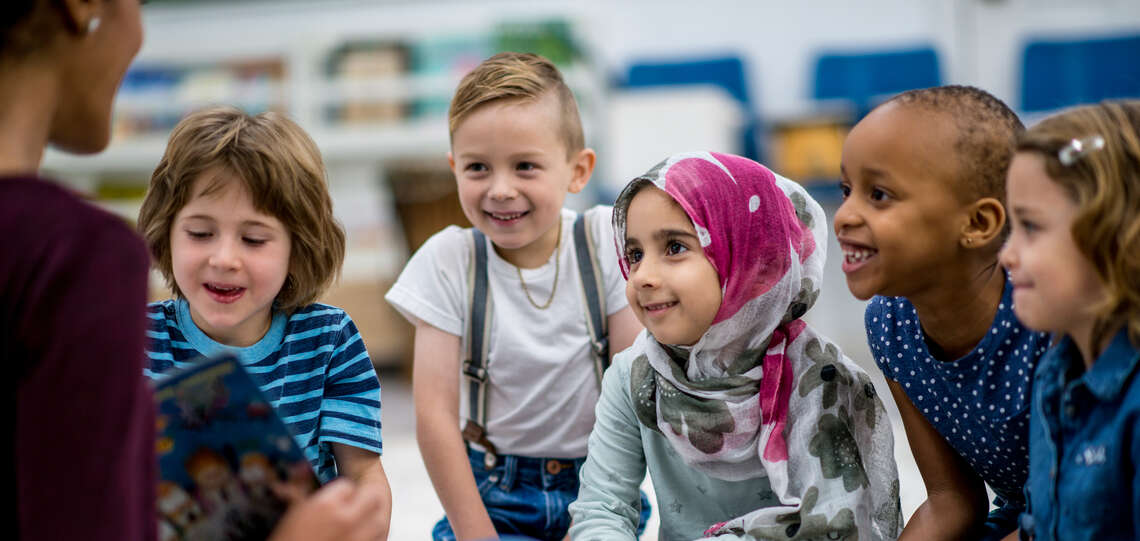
339, 511
300, 483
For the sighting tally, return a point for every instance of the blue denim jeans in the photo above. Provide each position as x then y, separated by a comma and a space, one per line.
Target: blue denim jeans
528, 497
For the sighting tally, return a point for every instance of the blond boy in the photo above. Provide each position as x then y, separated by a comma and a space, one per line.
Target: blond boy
517, 149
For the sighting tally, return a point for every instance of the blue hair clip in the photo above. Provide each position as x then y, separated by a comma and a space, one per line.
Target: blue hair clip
1078, 148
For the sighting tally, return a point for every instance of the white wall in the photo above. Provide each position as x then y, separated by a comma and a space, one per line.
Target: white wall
995, 34
979, 40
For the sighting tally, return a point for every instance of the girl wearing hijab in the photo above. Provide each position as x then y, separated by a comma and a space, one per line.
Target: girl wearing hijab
751, 424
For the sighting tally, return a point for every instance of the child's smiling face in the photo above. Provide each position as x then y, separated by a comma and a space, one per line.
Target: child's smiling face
672, 287
513, 173
1055, 285
229, 260
901, 221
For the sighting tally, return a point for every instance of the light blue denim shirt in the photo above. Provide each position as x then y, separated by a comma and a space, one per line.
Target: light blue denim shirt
1084, 445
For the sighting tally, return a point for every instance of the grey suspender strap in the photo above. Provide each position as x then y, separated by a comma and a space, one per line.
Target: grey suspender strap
478, 333
592, 291
478, 328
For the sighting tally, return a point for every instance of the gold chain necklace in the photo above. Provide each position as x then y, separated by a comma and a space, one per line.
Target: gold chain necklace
557, 267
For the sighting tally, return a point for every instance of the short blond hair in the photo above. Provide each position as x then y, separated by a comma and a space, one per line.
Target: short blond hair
1105, 184
517, 76
282, 170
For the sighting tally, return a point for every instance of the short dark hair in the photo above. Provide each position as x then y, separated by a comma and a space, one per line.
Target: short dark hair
25, 25
987, 134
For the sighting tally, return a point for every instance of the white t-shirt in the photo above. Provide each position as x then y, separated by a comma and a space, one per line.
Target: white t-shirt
542, 389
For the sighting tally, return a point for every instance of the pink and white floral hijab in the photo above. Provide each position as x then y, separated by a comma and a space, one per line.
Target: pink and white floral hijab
761, 393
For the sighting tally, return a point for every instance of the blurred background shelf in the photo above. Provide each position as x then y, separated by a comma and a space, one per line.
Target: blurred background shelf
780, 82
375, 102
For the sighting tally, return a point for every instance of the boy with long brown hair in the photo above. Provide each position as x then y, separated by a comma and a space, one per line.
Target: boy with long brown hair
239, 221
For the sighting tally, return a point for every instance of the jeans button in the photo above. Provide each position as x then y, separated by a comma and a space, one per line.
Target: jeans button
553, 467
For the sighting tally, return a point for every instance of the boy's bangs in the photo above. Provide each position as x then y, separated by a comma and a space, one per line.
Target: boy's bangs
265, 199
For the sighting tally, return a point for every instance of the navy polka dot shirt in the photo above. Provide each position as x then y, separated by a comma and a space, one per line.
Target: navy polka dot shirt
979, 402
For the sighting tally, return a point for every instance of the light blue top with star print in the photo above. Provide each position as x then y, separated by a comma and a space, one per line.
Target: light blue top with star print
622, 450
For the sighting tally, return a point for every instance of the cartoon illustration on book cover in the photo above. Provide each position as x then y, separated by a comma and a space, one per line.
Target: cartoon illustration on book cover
221, 451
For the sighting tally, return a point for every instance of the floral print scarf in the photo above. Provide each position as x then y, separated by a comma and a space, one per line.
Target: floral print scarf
761, 393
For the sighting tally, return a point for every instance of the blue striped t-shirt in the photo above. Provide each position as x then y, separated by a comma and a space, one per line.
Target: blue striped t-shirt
311, 365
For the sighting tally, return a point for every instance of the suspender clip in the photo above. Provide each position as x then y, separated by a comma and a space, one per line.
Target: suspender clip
477, 373
475, 433
601, 348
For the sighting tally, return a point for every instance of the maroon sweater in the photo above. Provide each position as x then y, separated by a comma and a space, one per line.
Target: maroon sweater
78, 423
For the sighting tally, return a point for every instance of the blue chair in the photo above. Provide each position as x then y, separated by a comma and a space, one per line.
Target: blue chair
863, 79
1058, 74
726, 72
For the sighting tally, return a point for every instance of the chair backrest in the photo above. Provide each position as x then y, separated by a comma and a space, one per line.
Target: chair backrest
726, 72
1060, 73
863, 79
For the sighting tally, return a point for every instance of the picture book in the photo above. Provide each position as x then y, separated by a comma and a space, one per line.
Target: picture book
221, 450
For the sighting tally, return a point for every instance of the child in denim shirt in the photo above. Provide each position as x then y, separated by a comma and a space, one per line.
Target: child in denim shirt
1074, 258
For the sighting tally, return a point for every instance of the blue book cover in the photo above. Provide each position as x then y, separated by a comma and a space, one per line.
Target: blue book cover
223, 453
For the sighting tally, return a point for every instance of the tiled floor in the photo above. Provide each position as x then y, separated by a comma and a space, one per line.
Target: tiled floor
836, 314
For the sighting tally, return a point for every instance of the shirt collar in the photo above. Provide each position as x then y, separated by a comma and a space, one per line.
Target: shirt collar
1109, 373
1112, 368
207, 346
